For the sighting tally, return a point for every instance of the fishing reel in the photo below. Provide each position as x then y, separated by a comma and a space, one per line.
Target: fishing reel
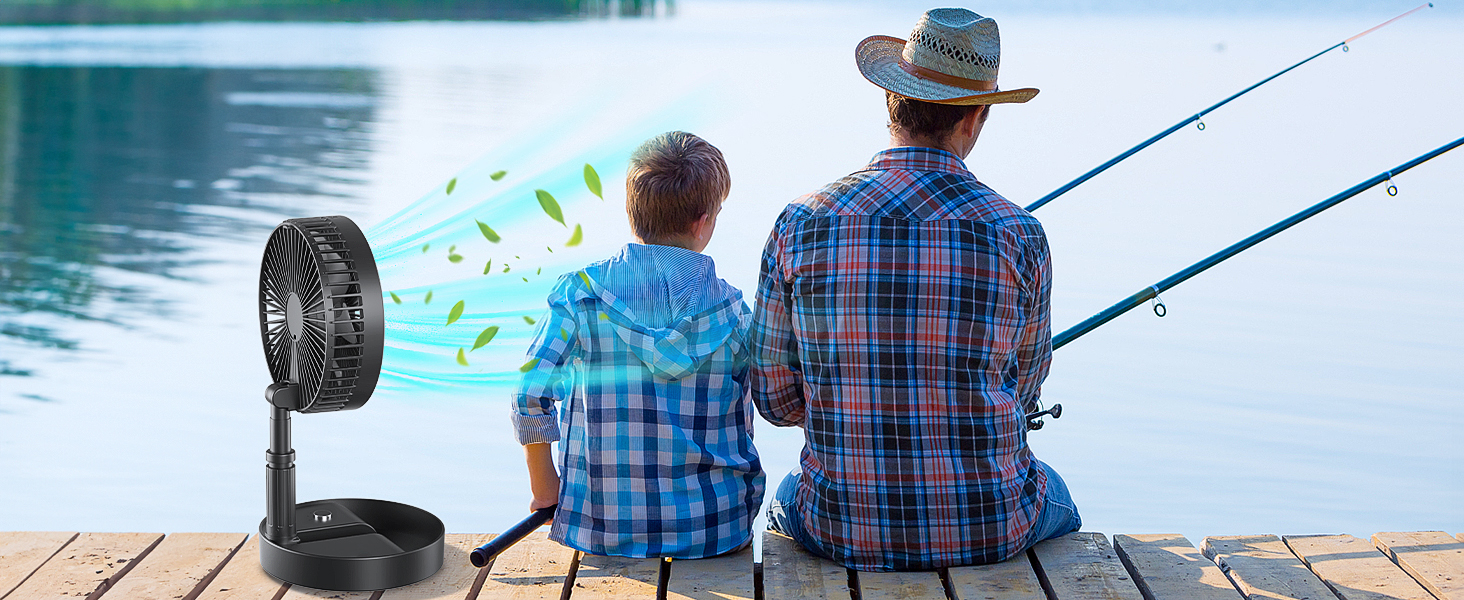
1035, 422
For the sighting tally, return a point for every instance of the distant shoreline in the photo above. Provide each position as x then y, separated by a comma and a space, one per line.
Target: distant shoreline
133, 12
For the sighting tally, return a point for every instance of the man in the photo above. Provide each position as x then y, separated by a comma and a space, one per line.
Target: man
902, 321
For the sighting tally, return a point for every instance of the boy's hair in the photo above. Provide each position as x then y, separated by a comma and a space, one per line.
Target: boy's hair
674, 179
921, 119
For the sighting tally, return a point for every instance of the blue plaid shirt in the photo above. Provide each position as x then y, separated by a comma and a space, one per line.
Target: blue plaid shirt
647, 352
902, 321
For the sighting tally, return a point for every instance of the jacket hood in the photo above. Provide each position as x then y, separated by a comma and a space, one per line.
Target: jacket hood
686, 314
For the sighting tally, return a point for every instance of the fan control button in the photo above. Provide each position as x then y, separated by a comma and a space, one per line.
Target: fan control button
322, 516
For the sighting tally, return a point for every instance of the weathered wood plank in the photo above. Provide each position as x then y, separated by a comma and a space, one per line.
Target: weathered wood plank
1431, 557
790, 572
1011, 579
178, 567
614, 577
88, 566
300, 592
725, 577
533, 569
913, 585
1261, 566
1167, 566
1354, 569
243, 579
457, 579
22, 552
1082, 566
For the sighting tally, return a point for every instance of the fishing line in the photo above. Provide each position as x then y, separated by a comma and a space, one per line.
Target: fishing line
1196, 118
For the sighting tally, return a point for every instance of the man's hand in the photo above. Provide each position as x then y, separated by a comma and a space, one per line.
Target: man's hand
543, 479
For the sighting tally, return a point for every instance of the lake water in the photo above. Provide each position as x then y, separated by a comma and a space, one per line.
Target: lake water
1310, 385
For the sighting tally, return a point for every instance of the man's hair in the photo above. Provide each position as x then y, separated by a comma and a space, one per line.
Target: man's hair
920, 119
674, 179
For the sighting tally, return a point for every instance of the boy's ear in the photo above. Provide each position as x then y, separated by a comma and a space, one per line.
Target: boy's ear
699, 227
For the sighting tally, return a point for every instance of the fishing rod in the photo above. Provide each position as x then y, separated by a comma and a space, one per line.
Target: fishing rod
1197, 116
1152, 292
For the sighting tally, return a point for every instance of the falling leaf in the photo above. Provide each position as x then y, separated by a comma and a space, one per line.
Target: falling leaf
585, 277
551, 250
457, 311
395, 298
425, 247
529, 320
592, 181
452, 248
529, 366
505, 268
462, 358
485, 337
604, 317
488, 266
428, 299
517, 256
526, 279
577, 237
564, 334
487, 232
455, 258
497, 175
550, 206
540, 271
451, 185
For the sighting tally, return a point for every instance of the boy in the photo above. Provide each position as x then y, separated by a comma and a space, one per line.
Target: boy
647, 351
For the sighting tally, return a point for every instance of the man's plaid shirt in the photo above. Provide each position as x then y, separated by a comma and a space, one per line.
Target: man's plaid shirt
902, 321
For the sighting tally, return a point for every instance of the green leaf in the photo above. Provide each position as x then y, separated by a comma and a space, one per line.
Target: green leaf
540, 271
488, 266
529, 320
577, 237
592, 181
497, 175
487, 232
529, 366
455, 258
428, 299
550, 206
505, 268
485, 337
395, 298
457, 311
526, 279
425, 247
551, 250
451, 185
462, 358
452, 248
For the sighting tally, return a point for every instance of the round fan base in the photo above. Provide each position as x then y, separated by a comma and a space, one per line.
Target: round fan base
353, 544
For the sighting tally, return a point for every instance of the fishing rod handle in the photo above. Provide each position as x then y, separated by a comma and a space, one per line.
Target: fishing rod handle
485, 554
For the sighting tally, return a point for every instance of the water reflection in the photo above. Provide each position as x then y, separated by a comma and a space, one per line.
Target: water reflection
110, 176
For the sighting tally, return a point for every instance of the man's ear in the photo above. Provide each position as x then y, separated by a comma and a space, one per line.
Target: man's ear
969, 122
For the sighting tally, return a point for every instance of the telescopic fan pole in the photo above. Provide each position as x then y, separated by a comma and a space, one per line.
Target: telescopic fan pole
279, 483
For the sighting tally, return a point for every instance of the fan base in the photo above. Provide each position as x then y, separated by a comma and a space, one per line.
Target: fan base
353, 544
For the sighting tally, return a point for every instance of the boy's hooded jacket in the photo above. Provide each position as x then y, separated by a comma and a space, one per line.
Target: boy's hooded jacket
647, 351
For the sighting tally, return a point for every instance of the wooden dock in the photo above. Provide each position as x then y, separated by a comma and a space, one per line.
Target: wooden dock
1427, 565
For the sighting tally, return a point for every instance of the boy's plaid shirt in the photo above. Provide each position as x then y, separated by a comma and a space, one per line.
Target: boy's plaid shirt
657, 457
902, 320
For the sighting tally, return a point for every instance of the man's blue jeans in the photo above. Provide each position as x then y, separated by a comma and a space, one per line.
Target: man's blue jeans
1059, 515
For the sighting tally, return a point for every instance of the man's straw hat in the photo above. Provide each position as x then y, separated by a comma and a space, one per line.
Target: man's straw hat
951, 58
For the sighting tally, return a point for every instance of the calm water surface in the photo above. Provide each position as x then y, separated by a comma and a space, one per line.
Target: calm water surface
1311, 385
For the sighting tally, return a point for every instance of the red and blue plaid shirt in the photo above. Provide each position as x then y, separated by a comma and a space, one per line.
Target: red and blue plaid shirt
902, 321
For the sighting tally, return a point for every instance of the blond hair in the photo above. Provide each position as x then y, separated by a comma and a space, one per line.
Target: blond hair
674, 179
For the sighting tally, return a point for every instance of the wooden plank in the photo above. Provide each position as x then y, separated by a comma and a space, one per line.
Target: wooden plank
1431, 557
1082, 566
1261, 566
1354, 569
614, 577
1011, 579
533, 569
88, 566
22, 552
725, 577
1167, 566
243, 579
912, 585
179, 567
300, 592
790, 572
457, 579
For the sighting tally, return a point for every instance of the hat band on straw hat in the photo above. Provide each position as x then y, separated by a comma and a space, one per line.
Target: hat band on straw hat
946, 78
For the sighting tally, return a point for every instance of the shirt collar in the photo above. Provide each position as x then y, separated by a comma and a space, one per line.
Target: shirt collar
917, 158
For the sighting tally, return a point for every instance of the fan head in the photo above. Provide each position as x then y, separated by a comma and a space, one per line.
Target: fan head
320, 313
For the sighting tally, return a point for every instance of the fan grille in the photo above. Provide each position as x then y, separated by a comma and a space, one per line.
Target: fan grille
321, 312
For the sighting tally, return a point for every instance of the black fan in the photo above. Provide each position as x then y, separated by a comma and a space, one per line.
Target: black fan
320, 314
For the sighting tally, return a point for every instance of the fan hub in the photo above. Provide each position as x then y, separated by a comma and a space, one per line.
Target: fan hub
294, 315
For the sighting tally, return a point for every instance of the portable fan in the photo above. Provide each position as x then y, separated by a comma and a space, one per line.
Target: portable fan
320, 314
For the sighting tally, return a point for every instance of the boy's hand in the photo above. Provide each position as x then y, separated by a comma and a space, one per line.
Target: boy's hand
543, 479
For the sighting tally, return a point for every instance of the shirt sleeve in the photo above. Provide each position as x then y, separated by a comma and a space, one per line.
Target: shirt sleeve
775, 378
549, 377
1034, 349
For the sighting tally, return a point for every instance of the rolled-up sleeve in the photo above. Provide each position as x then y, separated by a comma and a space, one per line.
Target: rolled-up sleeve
775, 377
549, 378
